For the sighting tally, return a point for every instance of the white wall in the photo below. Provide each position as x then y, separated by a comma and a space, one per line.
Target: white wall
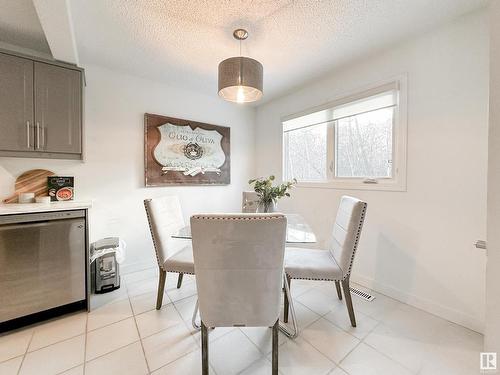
113, 173
417, 245
492, 332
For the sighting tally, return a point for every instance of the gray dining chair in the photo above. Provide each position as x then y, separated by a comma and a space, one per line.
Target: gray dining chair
334, 264
173, 255
238, 259
249, 202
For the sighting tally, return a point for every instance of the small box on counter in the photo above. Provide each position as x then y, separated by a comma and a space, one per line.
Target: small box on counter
60, 188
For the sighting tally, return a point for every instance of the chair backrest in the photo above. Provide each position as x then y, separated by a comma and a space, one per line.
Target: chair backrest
249, 202
346, 232
238, 261
165, 218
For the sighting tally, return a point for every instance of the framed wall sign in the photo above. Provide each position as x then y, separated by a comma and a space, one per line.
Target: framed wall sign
185, 152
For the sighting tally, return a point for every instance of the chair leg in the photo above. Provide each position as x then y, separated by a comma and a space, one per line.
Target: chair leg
179, 280
348, 301
161, 288
195, 315
275, 348
282, 326
339, 292
285, 301
204, 349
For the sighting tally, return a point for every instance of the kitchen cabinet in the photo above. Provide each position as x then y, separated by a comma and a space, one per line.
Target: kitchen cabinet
16, 103
57, 109
40, 108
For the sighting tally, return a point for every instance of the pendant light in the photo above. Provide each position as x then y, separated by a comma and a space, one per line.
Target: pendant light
240, 78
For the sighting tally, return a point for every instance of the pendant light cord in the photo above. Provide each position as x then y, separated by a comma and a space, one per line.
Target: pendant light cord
241, 68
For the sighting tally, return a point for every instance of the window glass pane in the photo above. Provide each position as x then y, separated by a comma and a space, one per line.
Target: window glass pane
306, 156
383, 99
364, 144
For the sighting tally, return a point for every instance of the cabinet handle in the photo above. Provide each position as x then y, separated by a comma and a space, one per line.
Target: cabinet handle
43, 137
28, 134
37, 135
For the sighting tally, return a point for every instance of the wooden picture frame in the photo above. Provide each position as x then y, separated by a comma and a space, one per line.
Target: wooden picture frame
185, 152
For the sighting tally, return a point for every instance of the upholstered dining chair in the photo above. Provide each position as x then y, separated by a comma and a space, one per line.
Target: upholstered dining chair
238, 260
173, 255
334, 264
249, 202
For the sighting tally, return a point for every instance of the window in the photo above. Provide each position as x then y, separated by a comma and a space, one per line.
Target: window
354, 142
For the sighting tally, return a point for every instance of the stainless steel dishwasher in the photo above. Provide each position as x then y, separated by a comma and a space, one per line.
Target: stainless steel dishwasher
43, 265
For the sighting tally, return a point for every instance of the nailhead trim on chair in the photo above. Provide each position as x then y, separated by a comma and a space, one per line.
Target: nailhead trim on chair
154, 242
152, 235
355, 246
309, 278
187, 273
358, 234
239, 217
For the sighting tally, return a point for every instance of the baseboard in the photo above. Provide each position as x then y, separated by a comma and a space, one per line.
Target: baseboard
429, 306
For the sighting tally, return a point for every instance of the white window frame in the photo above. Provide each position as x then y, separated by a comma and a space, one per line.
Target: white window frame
399, 142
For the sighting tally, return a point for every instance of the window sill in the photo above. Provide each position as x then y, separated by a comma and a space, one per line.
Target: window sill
354, 185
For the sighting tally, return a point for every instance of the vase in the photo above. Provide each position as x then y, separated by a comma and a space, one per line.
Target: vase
267, 208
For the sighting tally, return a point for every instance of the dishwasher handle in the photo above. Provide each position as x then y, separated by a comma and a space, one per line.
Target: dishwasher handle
34, 224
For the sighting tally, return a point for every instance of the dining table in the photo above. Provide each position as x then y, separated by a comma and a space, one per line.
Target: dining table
297, 232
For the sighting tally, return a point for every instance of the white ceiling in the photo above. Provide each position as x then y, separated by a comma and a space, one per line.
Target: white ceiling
19, 25
181, 42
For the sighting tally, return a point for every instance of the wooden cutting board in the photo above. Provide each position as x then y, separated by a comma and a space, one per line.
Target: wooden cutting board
33, 181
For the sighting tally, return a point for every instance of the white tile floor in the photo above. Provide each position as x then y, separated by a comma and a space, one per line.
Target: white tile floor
124, 335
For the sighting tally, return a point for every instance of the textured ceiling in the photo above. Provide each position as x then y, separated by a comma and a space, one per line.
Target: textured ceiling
19, 25
181, 42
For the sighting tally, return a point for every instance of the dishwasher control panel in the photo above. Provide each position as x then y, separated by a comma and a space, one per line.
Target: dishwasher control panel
40, 216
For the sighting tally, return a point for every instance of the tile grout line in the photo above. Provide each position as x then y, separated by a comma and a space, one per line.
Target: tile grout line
188, 353
263, 355
389, 358
287, 339
322, 316
69, 369
42, 323
85, 347
141, 338
381, 323
25, 352
139, 334
161, 330
188, 327
260, 359
56, 342
105, 354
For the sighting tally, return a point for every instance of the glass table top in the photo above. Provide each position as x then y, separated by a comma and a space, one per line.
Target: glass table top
297, 231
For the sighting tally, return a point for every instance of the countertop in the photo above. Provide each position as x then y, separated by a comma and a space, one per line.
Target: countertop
18, 208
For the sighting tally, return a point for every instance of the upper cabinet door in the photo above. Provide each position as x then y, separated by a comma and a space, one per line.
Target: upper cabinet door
58, 109
16, 103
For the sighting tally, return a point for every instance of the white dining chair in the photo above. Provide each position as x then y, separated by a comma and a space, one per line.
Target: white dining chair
249, 202
238, 260
173, 255
334, 264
